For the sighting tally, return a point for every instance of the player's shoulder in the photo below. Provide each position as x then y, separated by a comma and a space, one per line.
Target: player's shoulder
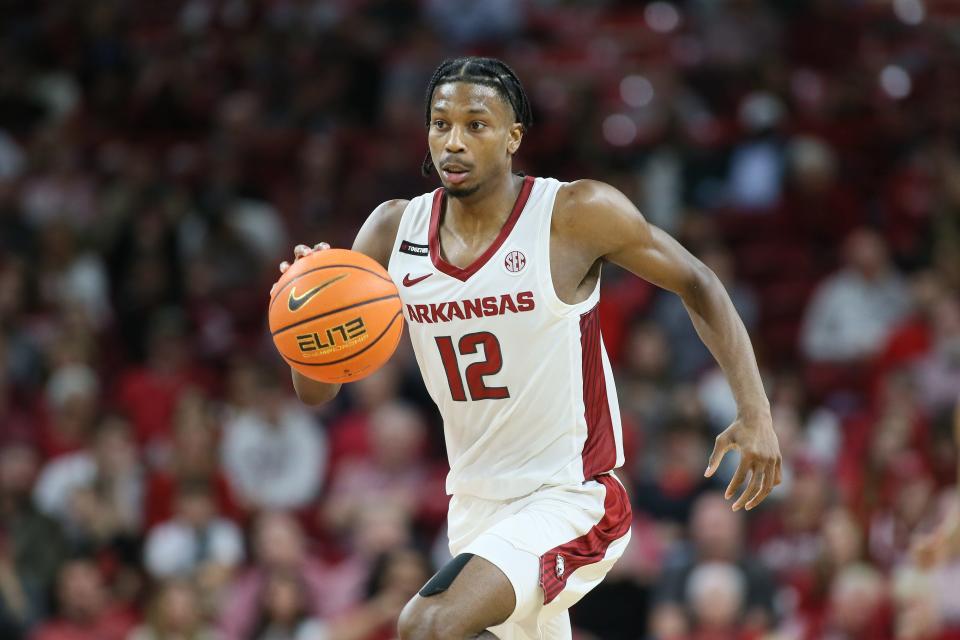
581, 201
388, 214
377, 234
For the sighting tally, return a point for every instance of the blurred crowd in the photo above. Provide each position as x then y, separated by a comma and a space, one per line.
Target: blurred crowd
158, 159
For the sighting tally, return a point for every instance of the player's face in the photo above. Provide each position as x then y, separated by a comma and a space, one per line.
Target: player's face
472, 136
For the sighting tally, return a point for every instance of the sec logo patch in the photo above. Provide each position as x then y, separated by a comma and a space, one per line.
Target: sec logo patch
514, 261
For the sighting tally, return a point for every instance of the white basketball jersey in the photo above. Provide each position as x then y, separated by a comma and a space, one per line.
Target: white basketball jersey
521, 378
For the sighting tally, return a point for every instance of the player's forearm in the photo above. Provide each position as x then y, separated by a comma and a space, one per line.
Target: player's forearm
313, 392
719, 326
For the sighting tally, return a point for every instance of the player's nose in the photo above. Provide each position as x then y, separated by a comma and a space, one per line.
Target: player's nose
454, 142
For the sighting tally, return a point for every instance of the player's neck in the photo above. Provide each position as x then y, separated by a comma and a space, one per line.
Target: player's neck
487, 209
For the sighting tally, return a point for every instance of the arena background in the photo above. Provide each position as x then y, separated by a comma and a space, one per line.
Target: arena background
159, 158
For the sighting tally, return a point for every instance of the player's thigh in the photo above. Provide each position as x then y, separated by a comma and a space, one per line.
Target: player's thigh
472, 598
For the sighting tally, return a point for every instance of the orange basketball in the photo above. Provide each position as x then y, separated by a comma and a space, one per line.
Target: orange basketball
335, 316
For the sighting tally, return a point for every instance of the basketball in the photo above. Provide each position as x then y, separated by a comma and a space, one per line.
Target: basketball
335, 316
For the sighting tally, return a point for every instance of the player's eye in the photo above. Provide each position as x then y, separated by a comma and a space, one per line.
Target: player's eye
439, 124
476, 125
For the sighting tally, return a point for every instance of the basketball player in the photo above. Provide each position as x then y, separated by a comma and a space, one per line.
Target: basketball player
499, 275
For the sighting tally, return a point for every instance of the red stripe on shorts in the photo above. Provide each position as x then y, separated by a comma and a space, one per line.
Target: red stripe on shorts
590, 547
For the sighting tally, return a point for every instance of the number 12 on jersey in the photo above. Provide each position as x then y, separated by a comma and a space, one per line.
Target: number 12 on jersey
474, 373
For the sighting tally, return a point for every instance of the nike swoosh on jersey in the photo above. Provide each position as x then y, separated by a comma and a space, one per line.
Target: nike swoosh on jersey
409, 282
295, 302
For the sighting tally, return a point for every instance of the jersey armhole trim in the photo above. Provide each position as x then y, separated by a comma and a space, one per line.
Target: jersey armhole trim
557, 305
401, 228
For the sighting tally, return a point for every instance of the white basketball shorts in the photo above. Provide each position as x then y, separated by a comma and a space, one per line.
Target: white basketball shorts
554, 546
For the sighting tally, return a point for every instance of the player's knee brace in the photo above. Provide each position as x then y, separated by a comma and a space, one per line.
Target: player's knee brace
442, 580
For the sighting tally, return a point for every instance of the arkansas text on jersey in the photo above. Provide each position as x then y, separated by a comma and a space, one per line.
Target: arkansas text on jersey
475, 308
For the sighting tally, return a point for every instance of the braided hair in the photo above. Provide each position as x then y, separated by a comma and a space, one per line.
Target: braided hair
489, 72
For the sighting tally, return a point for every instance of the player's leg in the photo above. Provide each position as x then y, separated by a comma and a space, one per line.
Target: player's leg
549, 548
467, 596
574, 536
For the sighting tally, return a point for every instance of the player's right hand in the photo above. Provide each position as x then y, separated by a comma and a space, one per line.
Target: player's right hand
299, 251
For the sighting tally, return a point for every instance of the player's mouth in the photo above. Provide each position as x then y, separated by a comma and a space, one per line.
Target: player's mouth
454, 173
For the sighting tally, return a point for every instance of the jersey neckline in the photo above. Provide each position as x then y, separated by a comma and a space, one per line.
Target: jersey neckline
436, 213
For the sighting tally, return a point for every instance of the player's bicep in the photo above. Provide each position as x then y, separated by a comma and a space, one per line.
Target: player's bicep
647, 251
378, 233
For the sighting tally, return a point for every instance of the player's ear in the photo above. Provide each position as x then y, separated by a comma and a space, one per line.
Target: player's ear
515, 136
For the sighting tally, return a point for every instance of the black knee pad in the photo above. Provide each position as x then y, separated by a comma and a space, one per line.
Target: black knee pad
442, 580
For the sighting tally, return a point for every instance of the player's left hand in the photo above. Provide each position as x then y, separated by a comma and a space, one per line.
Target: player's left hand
300, 251
759, 456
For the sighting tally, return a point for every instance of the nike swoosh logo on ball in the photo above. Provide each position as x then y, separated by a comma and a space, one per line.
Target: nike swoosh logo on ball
295, 302
409, 282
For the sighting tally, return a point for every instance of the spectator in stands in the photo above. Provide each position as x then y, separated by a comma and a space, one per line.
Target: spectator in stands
190, 460
71, 279
96, 493
645, 378
756, 163
378, 526
395, 472
670, 475
174, 614
31, 544
945, 220
196, 541
858, 606
467, 23
274, 451
715, 597
689, 356
21, 605
932, 548
284, 612
147, 285
917, 606
938, 373
787, 537
85, 609
147, 395
59, 189
395, 576
280, 547
878, 441
854, 310
911, 340
21, 371
716, 535
909, 495
73, 402
841, 545
350, 431
817, 202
